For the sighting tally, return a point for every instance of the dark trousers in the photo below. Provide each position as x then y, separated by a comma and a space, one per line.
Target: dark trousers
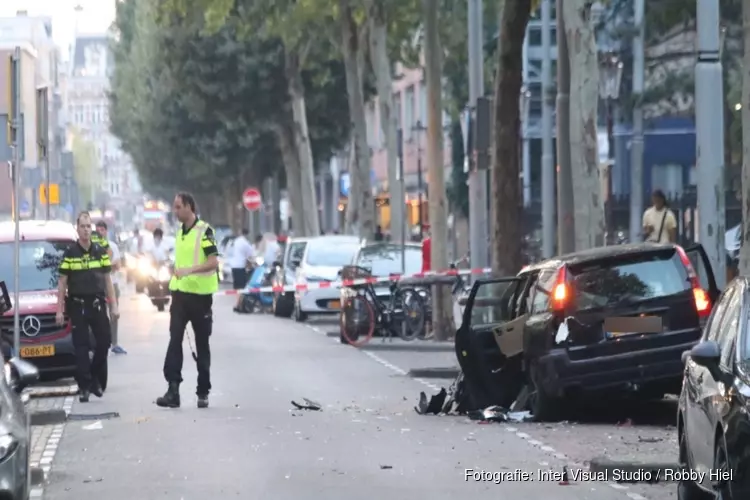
196, 310
89, 315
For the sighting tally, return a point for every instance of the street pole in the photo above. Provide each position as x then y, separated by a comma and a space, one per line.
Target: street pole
400, 174
548, 164
636, 149
478, 207
42, 133
565, 221
418, 129
709, 124
15, 114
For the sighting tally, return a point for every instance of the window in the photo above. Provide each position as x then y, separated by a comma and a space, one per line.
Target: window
713, 328
384, 260
628, 279
409, 114
542, 290
329, 254
39, 261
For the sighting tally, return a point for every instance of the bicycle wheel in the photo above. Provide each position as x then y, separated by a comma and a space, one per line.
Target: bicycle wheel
412, 313
358, 324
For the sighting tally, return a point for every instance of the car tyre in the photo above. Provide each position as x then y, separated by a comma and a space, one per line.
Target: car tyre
543, 406
299, 315
688, 490
723, 491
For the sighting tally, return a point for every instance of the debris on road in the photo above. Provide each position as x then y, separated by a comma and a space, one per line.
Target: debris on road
93, 416
308, 405
432, 407
386, 467
96, 426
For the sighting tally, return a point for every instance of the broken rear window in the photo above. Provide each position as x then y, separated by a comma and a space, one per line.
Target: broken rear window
629, 278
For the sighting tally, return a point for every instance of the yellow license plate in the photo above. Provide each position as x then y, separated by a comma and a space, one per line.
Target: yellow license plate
38, 351
334, 304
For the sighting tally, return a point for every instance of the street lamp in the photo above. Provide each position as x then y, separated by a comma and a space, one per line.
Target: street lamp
524, 101
610, 77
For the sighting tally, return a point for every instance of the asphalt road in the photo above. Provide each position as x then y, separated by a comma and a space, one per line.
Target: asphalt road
367, 441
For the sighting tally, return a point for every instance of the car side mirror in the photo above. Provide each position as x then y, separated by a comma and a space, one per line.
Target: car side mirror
706, 354
22, 374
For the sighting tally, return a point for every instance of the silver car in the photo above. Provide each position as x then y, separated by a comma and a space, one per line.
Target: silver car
322, 260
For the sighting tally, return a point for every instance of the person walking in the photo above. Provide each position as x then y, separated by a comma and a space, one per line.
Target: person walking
240, 260
194, 281
84, 290
659, 222
115, 259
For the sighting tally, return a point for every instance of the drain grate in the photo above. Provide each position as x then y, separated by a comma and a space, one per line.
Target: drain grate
93, 416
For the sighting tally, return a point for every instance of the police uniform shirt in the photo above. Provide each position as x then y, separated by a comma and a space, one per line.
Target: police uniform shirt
208, 243
86, 270
102, 242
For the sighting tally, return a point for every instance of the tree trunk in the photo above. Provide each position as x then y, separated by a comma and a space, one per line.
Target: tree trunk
506, 189
285, 139
744, 269
381, 66
360, 210
309, 216
442, 311
584, 99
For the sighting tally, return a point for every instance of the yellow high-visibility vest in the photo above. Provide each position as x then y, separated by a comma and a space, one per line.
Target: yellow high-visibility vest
188, 252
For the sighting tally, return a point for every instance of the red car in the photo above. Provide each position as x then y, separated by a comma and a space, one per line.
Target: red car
44, 343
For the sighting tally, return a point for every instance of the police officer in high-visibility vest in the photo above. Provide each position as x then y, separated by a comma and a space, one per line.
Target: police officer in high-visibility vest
194, 281
84, 291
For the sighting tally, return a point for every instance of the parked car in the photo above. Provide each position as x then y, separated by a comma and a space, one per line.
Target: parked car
47, 345
382, 260
713, 424
284, 274
321, 261
613, 319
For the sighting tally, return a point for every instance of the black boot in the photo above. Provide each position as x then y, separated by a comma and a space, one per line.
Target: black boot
83, 395
170, 399
96, 389
203, 401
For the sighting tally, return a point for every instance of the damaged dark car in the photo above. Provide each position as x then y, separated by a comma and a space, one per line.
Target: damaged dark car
608, 320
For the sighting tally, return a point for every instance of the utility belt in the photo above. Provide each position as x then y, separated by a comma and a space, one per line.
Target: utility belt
90, 302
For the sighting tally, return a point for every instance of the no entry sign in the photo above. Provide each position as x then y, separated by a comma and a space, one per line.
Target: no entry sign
251, 199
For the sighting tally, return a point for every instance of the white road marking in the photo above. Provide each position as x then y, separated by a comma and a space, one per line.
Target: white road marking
521, 435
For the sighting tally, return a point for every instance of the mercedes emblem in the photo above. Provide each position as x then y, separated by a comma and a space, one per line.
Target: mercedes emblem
31, 326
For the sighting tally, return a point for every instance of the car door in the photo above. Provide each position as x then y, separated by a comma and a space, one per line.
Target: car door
698, 257
489, 378
710, 391
541, 317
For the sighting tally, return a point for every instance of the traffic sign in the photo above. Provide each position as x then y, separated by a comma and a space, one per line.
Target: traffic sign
251, 199
54, 194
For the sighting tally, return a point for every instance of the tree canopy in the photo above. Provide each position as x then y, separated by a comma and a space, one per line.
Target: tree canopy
194, 107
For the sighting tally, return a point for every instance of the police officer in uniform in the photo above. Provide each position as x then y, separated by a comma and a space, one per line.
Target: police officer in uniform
194, 281
84, 289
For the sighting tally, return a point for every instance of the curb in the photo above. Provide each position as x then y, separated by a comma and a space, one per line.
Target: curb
48, 417
444, 372
633, 471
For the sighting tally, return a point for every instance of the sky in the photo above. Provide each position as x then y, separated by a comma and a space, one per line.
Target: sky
96, 16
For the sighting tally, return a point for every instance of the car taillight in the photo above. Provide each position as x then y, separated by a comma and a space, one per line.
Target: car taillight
701, 298
560, 292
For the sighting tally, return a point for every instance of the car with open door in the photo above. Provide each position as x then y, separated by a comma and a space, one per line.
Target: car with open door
713, 425
610, 319
284, 275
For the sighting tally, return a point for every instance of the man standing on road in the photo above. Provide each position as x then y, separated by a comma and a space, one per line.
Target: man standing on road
114, 256
193, 284
659, 223
240, 260
83, 290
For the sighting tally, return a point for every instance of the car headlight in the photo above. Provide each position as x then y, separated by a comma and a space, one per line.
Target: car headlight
145, 267
8, 444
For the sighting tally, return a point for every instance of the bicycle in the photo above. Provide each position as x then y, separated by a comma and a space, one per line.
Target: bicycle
364, 313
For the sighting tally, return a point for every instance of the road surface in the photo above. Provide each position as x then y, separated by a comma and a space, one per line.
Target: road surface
367, 442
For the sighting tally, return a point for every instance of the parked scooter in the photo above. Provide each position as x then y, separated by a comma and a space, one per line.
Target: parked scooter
158, 285
253, 301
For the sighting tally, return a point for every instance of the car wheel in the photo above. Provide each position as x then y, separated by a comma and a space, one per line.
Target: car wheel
342, 327
544, 407
722, 489
688, 490
299, 315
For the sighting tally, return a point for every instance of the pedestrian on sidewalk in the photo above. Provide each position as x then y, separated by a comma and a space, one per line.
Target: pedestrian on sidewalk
84, 289
115, 259
193, 284
240, 261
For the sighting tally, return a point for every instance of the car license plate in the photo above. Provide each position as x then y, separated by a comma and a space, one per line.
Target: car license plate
38, 351
334, 304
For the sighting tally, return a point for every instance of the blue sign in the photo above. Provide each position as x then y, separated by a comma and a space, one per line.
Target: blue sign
25, 207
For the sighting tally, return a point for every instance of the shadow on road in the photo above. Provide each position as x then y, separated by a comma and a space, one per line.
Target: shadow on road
625, 411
